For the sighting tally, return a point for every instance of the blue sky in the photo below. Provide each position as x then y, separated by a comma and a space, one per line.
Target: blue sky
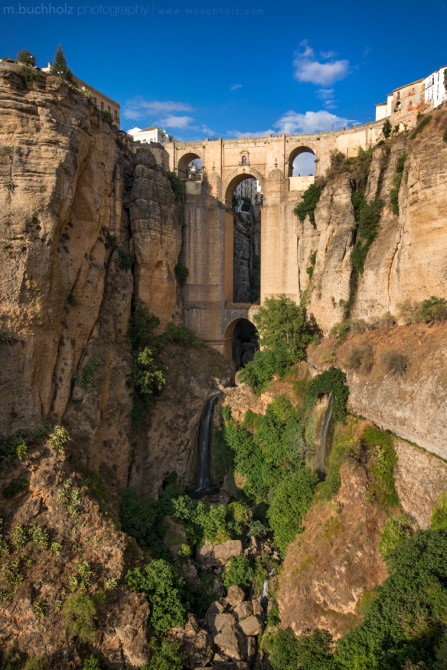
224, 67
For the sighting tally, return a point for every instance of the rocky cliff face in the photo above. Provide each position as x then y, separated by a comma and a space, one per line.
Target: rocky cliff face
87, 228
408, 259
411, 405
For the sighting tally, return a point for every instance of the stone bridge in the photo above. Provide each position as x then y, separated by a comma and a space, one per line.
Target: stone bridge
208, 235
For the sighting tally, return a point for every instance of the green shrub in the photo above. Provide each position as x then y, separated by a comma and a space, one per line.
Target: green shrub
394, 193
144, 520
16, 485
86, 376
59, 438
252, 421
395, 362
396, 530
332, 381
177, 185
386, 128
439, 516
164, 589
106, 116
340, 330
312, 261
92, 663
339, 452
405, 621
384, 460
432, 309
221, 454
28, 76
329, 356
180, 333
367, 216
420, 127
181, 273
81, 615
309, 202
238, 572
36, 663
127, 258
360, 357
282, 649
283, 334
203, 522
290, 501
12, 448
165, 655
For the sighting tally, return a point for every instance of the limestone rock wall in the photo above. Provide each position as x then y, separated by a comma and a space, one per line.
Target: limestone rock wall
413, 405
86, 227
407, 260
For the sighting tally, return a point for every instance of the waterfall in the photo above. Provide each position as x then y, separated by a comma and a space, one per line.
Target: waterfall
203, 483
265, 587
320, 456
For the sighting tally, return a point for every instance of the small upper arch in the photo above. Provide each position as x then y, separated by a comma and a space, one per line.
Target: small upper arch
184, 163
294, 159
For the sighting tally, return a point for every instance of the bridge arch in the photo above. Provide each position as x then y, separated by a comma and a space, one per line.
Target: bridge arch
235, 178
230, 184
295, 153
184, 161
240, 341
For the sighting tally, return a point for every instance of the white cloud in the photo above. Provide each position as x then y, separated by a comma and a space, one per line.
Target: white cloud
311, 122
138, 108
326, 95
308, 68
235, 87
207, 130
293, 123
172, 121
258, 133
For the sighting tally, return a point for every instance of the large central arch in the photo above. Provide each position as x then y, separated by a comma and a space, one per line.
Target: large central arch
231, 183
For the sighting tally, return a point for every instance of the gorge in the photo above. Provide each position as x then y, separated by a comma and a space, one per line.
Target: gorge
122, 327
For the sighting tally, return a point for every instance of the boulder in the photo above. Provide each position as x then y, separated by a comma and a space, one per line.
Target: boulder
231, 643
196, 644
235, 596
244, 610
251, 626
215, 555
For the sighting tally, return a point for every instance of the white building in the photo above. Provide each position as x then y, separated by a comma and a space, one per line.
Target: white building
148, 135
407, 101
434, 85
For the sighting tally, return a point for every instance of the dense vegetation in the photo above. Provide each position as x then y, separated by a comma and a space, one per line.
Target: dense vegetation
284, 335
270, 451
309, 202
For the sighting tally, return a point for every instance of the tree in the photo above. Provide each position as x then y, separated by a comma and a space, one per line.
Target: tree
163, 587
281, 324
26, 57
59, 68
386, 128
290, 502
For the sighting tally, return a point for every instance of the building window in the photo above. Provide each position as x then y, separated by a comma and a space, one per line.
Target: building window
108, 107
95, 101
244, 160
102, 106
116, 115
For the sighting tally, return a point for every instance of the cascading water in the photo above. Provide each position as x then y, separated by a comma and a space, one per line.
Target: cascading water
320, 456
203, 482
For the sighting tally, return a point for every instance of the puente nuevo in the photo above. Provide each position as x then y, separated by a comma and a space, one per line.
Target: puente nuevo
208, 235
